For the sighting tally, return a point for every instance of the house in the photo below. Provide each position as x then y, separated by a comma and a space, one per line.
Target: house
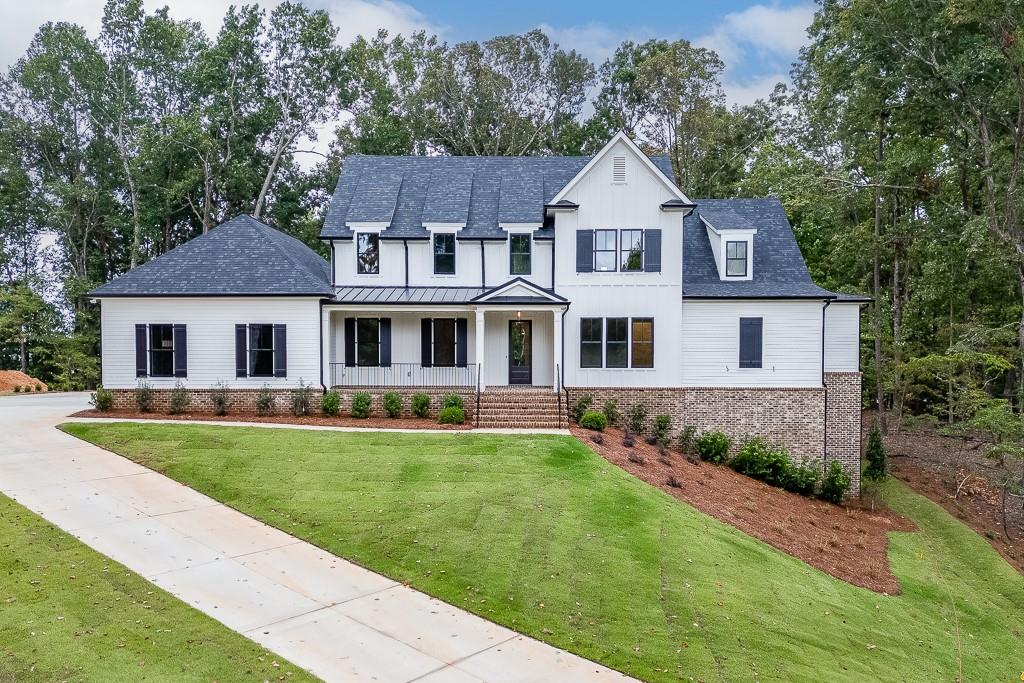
520, 282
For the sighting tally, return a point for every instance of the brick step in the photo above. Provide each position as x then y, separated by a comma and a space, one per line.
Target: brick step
520, 425
519, 410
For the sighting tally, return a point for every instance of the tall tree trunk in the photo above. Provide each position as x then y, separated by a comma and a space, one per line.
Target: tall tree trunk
23, 344
877, 287
269, 178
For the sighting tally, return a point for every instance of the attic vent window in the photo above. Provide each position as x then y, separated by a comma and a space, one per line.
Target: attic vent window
619, 170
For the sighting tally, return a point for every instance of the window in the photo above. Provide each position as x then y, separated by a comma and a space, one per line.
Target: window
751, 341
643, 343
616, 345
367, 253
604, 249
444, 342
519, 254
591, 338
161, 351
368, 342
736, 259
632, 256
261, 350
444, 253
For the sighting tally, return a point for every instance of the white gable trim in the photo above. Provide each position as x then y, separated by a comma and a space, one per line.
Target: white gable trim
621, 136
367, 226
521, 284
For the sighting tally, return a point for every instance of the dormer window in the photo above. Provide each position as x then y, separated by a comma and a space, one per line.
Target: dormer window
444, 253
367, 253
736, 259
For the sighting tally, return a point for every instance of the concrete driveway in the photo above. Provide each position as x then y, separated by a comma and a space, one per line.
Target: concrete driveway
329, 616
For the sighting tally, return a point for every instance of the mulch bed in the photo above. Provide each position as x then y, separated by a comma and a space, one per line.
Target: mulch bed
319, 420
849, 542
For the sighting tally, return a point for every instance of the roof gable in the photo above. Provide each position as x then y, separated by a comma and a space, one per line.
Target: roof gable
517, 290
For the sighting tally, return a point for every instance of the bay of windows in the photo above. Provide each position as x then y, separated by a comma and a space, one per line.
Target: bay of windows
617, 343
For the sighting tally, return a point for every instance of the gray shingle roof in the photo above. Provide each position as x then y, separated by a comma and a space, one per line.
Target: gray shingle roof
724, 218
239, 257
482, 191
778, 266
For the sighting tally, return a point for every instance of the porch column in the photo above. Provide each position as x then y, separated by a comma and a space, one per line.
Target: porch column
480, 346
557, 346
326, 341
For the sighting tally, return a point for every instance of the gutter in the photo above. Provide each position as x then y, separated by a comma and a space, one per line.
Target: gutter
824, 387
405, 245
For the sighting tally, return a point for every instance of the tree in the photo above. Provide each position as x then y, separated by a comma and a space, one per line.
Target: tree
875, 455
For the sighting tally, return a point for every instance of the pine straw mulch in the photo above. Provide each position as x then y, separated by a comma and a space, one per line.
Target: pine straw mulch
849, 542
371, 422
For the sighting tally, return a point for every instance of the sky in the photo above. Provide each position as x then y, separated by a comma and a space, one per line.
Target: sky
758, 41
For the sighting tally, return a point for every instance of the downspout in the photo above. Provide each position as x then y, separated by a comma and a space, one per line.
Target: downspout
824, 387
483, 267
562, 365
405, 245
333, 264
322, 385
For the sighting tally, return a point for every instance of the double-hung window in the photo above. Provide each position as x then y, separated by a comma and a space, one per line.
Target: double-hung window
367, 253
736, 259
605, 249
519, 254
368, 342
642, 347
591, 340
161, 351
617, 343
261, 350
444, 253
631, 258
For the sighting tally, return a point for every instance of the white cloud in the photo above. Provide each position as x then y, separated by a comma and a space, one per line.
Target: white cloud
748, 91
768, 29
596, 42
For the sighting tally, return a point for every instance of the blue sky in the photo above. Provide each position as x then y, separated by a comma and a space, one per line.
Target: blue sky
757, 40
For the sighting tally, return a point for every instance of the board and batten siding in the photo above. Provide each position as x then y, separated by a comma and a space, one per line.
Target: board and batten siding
842, 337
210, 329
710, 344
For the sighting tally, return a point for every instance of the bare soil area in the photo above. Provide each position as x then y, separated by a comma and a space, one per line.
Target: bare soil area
16, 378
319, 420
848, 541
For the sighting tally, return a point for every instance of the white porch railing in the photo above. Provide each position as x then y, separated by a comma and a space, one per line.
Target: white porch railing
403, 375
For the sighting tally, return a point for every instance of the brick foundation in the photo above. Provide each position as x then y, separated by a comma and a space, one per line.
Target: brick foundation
842, 437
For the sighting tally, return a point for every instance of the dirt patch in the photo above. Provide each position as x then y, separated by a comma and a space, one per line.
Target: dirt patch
849, 542
953, 472
15, 378
369, 423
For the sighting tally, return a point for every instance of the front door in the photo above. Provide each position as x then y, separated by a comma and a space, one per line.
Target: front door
520, 352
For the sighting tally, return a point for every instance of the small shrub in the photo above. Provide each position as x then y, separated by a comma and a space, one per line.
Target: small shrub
594, 420
392, 403
674, 482
628, 440
180, 399
685, 439
452, 401
636, 419
651, 440
452, 415
583, 404
144, 397
331, 404
361, 405
39, 387
664, 460
662, 449
802, 479
17, 389
597, 438
420, 405
220, 398
266, 404
302, 399
102, 399
759, 460
835, 483
662, 425
611, 413
635, 457
875, 455
713, 446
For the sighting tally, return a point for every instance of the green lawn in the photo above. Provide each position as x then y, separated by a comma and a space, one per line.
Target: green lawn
71, 614
540, 534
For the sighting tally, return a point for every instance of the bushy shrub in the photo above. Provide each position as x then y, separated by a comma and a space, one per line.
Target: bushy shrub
685, 439
17, 388
835, 483
597, 438
635, 457
392, 402
583, 404
102, 399
180, 400
143, 397
361, 405
420, 405
331, 403
452, 415
802, 479
39, 387
594, 420
713, 446
266, 404
611, 413
759, 460
220, 398
628, 440
452, 401
302, 399
877, 465
636, 418
674, 482
662, 425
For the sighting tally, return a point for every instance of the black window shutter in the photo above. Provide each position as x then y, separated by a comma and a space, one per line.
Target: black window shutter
460, 342
180, 351
280, 350
584, 251
241, 355
652, 251
426, 347
750, 342
141, 364
385, 342
350, 342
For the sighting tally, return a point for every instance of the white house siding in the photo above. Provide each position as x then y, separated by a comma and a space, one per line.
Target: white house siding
210, 333
791, 352
496, 331
842, 337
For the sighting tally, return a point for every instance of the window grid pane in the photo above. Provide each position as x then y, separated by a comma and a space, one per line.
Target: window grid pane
444, 254
444, 342
261, 350
736, 259
590, 342
643, 343
161, 354
367, 253
632, 256
368, 342
605, 249
519, 248
617, 345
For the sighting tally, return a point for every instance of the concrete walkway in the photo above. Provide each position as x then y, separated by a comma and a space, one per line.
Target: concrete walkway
334, 618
